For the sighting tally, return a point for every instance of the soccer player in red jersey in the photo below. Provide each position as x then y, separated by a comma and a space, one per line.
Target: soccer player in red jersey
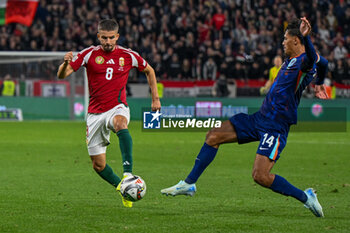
108, 67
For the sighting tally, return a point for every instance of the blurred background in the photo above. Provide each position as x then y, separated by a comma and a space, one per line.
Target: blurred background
201, 50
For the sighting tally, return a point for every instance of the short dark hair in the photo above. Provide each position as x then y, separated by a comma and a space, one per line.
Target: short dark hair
293, 29
108, 25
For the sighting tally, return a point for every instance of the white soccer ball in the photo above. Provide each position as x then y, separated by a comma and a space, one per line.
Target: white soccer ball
133, 188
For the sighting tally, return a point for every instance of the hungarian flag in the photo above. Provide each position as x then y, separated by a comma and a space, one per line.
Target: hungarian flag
18, 11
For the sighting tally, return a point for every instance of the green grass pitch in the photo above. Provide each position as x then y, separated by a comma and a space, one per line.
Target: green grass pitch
48, 185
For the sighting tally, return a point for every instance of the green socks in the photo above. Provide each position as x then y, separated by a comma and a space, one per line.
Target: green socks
108, 175
125, 143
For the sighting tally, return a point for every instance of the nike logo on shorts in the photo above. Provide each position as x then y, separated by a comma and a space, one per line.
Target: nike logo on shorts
262, 148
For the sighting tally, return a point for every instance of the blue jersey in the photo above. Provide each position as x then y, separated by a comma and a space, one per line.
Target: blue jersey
281, 102
270, 125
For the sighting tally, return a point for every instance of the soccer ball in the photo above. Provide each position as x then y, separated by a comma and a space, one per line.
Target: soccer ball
133, 188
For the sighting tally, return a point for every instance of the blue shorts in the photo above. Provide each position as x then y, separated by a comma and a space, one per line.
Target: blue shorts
256, 127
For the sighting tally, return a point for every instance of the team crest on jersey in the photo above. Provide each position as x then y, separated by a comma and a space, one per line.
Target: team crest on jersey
291, 63
99, 60
121, 61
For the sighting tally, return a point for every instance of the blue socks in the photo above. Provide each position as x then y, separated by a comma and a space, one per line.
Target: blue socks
282, 186
204, 158
207, 155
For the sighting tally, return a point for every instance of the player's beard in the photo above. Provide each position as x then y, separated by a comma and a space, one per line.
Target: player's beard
108, 48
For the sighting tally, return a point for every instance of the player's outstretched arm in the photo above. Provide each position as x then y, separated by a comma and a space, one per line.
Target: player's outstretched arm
305, 29
152, 82
65, 68
322, 69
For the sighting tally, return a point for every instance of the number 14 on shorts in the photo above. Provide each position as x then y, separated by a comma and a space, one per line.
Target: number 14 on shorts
267, 140
271, 145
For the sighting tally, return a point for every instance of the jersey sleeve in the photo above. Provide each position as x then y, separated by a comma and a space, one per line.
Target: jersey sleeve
311, 55
81, 58
322, 68
138, 61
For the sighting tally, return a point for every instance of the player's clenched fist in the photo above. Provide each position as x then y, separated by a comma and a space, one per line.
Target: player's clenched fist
156, 105
69, 56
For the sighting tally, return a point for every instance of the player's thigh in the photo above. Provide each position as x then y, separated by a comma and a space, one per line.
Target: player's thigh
225, 134
262, 164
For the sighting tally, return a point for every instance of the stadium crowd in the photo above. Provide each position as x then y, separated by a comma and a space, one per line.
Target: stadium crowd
194, 39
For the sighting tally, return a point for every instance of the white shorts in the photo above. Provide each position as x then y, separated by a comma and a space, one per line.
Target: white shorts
99, 126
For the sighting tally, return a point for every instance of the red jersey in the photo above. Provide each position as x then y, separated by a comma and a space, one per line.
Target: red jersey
107, 74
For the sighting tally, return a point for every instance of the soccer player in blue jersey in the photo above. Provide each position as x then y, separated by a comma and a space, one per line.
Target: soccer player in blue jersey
270, 125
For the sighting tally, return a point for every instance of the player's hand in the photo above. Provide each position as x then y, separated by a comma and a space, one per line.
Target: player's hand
305, 27
156, 105
263, 90
320, 92
68, 57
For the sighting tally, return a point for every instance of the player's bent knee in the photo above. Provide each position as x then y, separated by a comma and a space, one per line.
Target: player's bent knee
212, 138
261, 178
119, 125
257, 178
